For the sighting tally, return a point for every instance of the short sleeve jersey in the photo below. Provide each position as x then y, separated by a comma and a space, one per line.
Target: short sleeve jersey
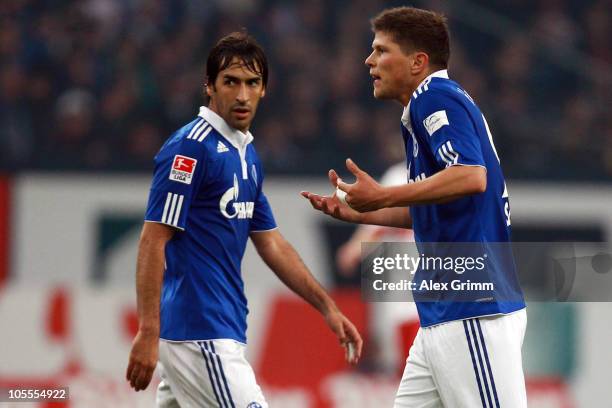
208, 185
443, 127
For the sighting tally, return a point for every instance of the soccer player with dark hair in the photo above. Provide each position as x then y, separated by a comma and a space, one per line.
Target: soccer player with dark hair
206, 200
467, 352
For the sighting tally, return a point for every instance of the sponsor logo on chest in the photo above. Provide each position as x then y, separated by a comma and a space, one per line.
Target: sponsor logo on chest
230, 207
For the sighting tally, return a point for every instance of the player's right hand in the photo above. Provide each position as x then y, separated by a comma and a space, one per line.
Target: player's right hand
332, 205
143, 360
347, 334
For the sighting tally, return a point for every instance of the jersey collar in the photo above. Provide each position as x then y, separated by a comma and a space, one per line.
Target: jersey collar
406, 116
443, 73
237, 138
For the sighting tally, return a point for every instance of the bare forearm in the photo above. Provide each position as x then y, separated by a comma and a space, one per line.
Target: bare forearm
149, 277
398, 217
445, 186
282, 258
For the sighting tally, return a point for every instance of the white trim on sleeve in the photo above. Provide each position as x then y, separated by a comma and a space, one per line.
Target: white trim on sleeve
271, 229
172, 209
163, 223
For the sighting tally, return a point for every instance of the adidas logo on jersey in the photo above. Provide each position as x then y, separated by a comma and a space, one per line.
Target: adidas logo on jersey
221, 147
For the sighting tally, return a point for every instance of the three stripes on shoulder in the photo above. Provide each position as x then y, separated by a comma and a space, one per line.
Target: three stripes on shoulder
200, 131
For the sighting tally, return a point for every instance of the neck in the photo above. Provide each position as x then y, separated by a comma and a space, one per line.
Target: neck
414, 84
212, 106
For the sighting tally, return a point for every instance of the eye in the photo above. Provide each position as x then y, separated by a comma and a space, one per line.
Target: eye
253, 82
229, 81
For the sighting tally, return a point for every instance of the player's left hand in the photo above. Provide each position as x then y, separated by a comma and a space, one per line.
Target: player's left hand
347, 334
143, 360
365, 194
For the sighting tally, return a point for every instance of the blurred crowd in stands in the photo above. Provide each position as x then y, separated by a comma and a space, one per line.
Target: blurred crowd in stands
100, 84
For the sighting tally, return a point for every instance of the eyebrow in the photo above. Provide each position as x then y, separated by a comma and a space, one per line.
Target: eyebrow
232, 77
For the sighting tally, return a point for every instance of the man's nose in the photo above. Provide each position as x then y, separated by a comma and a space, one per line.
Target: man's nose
243, 94
368, 61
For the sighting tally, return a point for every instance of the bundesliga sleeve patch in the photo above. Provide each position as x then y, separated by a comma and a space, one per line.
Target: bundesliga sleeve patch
435, 121
182, 169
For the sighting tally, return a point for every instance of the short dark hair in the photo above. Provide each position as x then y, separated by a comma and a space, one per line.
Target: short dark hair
416, 29
241, 45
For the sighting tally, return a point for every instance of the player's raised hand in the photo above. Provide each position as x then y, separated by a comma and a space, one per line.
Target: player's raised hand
365, 194
347, 334
143, 360
332, 205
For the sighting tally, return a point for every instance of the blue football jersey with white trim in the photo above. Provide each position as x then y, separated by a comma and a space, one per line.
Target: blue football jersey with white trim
443, 127
208, 184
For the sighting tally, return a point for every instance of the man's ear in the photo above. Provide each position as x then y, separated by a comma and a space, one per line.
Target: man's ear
420, 62
209, 87
263, 92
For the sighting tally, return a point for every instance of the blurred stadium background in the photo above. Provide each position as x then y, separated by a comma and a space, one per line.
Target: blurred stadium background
90, 89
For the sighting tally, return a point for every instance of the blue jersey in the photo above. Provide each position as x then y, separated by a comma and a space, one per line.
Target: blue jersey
443, 127
208, 185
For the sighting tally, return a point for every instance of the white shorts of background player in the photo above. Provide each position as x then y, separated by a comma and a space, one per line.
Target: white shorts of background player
210, 373
466, 363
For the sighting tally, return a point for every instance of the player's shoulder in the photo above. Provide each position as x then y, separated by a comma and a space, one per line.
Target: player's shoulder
196, 138
433, 102
439, 90
437, 99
